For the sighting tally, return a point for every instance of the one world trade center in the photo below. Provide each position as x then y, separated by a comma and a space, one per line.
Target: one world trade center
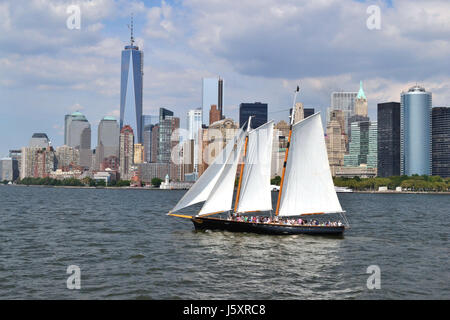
132, 71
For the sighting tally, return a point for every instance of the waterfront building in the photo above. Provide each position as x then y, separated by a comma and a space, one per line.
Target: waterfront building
216, 137
354, 118
361, 106
67, 156
168, 137
258, 110
131, 88
148, 171
363, 145
441, 141
308, 112
344, 101
138, 153
194, 122
388, 139
9, 169
335, 141
415, 132
155, 143
126, 152
361, 171
107, 140
16, 155
79, 137
61, 174
39, 140
214, 114
37, 162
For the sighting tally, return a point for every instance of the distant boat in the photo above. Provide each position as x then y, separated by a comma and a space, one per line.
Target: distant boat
306, 187
342, 189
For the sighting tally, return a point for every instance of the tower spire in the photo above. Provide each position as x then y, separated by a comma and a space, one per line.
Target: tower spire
131, 29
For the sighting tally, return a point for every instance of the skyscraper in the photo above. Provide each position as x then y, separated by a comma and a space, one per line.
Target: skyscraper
212, 94
39, 140
194, 126
415, 132
363, 145
388, 139
299, 112
214, 114
67, 156
308, 112
107, 140
335, 141
220, 97
441, 141
126, 152
361, 108
37, 162
131, 85
79, 137
167, 125
344, 101
9, 169
258, 110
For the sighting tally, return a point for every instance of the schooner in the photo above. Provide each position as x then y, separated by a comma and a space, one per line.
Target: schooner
306, 187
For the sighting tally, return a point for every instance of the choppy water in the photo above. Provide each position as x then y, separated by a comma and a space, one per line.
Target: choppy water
127, 248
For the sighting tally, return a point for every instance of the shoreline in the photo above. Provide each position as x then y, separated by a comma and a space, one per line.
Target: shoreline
144, 188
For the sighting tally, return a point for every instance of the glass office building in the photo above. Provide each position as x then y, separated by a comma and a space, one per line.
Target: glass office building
388, 139
131, 85
258, 110
363, 146
441, 141
108, 139
415, 132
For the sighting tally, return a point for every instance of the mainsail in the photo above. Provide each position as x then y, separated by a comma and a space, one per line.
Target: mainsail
255, 192
202, 188
308, 186
221, 195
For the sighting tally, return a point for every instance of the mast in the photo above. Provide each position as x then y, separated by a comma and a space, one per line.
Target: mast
287, 151
242, 167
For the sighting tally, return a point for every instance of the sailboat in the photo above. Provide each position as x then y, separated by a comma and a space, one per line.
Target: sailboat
306, 187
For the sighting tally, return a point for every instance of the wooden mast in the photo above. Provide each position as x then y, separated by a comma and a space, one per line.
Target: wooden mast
242, 168
287, 152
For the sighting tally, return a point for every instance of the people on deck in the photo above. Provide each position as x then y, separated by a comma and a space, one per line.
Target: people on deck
282, 221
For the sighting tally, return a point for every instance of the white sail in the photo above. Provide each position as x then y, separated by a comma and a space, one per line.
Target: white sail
202, 188
308, 186
221, 195
255, 194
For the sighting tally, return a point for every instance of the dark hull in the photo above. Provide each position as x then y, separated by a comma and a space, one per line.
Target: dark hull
204, 223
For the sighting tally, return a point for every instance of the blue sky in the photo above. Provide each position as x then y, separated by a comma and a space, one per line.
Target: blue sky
262, 49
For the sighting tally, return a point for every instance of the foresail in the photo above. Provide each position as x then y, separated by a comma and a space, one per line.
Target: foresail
202, 188
221, 195
255, 193
308, 186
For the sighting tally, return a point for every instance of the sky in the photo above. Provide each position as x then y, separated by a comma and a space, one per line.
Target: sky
262, 49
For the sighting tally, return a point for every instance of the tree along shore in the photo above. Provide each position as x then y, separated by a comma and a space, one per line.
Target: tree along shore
413, 183
73, 182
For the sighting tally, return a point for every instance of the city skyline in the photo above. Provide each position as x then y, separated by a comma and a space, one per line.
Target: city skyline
82, 72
